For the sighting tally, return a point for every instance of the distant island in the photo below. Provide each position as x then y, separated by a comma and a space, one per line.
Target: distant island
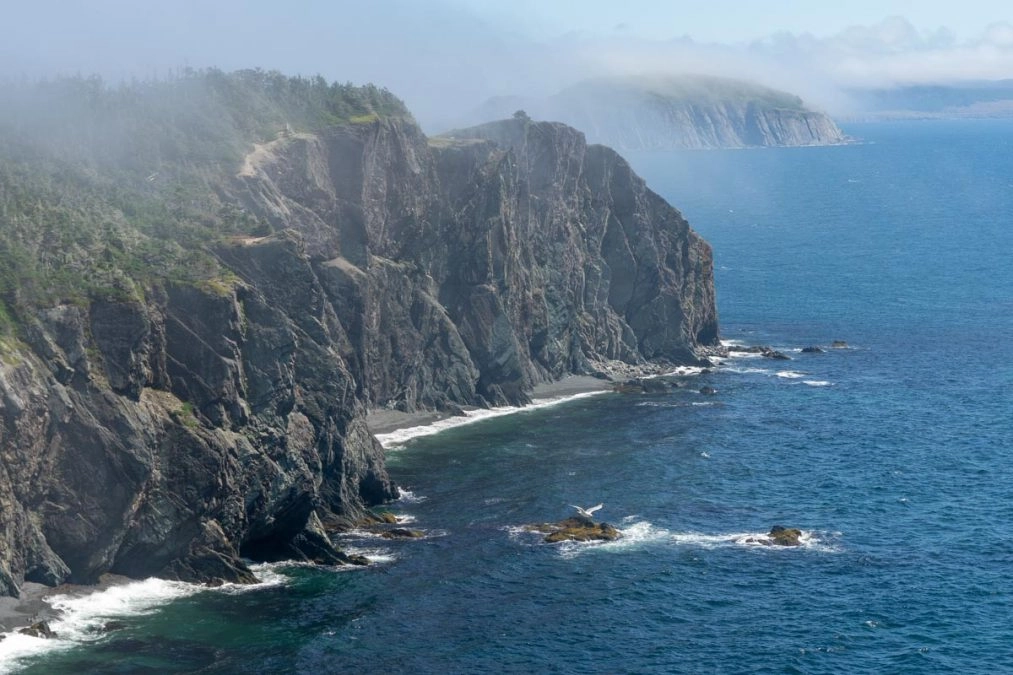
677, 112
971, 99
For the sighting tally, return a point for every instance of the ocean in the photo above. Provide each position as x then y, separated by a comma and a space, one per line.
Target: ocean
893, 455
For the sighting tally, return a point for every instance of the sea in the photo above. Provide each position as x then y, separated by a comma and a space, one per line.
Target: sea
893, 455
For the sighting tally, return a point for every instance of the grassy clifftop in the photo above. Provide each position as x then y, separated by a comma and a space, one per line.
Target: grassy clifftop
105, 190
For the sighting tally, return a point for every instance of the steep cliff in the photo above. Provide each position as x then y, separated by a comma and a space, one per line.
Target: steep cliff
173, 423
680, 112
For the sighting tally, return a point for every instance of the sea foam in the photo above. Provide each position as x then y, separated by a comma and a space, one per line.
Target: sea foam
82, 615
400, 436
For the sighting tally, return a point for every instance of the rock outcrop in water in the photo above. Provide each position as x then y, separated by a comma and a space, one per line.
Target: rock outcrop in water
218, 421
575, 529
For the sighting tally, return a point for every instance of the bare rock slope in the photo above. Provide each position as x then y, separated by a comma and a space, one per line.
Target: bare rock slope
209, 423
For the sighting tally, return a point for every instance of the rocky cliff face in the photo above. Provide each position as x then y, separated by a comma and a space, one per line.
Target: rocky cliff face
666, 125
217, 421
679, 113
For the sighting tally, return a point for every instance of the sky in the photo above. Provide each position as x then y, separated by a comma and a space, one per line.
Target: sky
729, 21
448, 56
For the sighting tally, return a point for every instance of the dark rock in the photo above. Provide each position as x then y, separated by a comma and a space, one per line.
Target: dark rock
708, 391
401, 533
357, 560
774, 354
575, 529
812, 349
114, 625
39, 629
784, 536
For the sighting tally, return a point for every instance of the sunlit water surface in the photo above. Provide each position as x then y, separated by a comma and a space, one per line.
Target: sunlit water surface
892, 455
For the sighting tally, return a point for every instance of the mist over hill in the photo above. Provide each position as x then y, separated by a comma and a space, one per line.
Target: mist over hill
662, 113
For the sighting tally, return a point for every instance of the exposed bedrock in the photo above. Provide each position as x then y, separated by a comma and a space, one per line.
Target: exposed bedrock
214, 423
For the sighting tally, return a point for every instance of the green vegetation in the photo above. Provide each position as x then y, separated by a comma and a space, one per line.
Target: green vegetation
107, 190
689, 89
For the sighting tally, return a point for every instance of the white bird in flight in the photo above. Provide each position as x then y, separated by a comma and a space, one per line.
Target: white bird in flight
588, 511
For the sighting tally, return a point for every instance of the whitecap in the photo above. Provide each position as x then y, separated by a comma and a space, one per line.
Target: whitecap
790, 374
400, 436
807, 541
746, 371
379, 556
409, 497
82, 616
686, 371
817, 383
632, 536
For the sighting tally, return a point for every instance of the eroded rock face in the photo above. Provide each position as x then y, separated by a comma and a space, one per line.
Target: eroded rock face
208, 424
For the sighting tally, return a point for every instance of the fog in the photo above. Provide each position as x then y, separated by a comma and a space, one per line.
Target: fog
445, 57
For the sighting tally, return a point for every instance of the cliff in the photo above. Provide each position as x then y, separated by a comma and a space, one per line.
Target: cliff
175, 418
666, 113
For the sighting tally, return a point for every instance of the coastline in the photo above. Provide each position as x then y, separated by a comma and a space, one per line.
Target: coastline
392, 427
382, 422
389, 426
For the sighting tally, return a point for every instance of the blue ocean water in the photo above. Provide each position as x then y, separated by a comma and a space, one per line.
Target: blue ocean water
893, 455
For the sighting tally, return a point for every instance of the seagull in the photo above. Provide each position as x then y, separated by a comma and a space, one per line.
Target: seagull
588, 511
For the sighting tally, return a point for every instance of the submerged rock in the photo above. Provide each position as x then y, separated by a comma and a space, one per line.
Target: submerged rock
839, 344
575, 529
763, 350
643, 385
708, 391
812, 349
402, 533
39, 629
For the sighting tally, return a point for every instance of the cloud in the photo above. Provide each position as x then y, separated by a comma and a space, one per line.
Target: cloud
445, 60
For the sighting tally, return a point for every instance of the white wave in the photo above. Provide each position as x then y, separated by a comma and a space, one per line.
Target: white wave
807, 541
81, 615
409, 497
380, 556
746, 371
790, 374
685, 371
633, 535
817, 383
356, 533
401, 436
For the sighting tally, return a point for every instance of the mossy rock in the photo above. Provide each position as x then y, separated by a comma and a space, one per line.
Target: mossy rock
575, 529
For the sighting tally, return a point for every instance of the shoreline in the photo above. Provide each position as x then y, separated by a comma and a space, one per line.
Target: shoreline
393, 427
389, 426
383, 422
